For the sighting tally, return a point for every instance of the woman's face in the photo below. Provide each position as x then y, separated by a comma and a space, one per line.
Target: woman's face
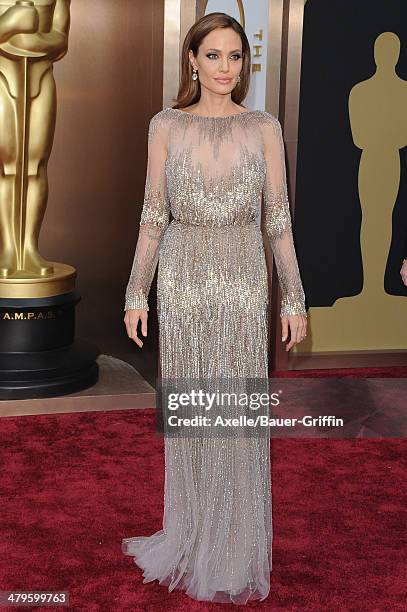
219, 60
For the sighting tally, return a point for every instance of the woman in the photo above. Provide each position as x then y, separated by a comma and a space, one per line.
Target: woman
209, 162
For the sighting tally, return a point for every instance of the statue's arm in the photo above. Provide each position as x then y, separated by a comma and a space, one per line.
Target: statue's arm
53, 44
7, 28
356, 112
17, 20
57, 39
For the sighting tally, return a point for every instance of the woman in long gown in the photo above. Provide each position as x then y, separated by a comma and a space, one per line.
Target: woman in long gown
210, 162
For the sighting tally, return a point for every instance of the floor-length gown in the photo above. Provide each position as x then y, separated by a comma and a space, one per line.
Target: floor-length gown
212, 294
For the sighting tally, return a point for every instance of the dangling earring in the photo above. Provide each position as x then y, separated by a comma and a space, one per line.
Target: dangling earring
194, 74
238, 78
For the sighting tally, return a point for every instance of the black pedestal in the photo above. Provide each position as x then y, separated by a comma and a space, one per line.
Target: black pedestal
39, 356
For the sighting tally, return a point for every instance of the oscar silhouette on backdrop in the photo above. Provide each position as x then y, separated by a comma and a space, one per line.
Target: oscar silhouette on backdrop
378, 119
380, 130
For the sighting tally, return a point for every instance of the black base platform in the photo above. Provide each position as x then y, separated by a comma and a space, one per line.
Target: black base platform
39, 356
48, 373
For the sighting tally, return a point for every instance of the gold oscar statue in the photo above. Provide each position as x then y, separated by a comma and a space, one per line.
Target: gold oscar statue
39, 355
33, 35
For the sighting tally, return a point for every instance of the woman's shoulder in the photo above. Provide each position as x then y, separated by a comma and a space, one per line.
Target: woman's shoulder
269, 125
163, 114
160, 122
268, 118
263, 116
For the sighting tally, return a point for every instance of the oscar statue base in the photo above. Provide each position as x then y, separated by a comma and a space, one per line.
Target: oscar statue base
39, 356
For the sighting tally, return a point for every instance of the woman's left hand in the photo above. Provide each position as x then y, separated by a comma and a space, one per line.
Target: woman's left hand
298, 329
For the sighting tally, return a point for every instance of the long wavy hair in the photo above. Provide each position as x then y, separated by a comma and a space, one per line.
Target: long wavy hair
189, 91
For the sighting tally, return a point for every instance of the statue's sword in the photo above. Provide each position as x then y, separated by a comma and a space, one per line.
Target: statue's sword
22, 175
22, 165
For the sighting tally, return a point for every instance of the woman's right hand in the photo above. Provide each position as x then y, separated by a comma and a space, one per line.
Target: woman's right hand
131, 319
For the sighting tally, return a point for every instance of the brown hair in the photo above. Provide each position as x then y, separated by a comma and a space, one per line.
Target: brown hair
189, 91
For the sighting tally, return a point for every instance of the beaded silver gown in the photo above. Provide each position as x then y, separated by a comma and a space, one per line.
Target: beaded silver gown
212, 294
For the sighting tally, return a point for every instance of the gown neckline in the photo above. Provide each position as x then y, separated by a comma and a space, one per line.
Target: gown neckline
178, 110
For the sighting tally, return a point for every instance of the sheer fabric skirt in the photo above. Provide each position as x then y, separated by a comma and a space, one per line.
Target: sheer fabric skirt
216, 540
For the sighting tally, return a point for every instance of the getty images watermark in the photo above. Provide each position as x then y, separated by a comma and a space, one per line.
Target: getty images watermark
229, 408
282, 407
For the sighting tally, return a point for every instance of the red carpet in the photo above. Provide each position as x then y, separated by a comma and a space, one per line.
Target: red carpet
387, 372
74, 484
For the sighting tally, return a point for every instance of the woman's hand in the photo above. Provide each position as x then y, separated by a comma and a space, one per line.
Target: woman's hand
298, 329
403, 272
131, 319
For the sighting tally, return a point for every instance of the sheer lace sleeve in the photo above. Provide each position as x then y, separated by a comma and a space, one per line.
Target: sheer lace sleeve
154, 218
278, 219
